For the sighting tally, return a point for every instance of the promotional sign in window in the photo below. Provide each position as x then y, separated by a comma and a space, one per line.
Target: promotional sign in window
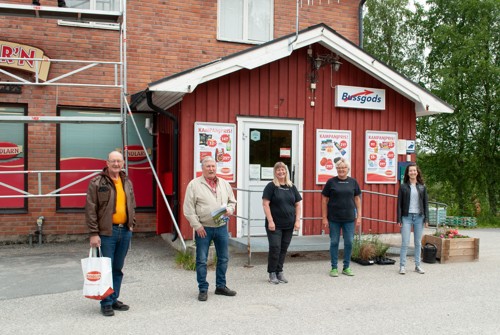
12, 158
86, 147
359, 97
330, 146
219, 141
381, 157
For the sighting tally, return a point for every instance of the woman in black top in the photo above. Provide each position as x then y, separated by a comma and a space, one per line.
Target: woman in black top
341, 211
281, 203
413, 212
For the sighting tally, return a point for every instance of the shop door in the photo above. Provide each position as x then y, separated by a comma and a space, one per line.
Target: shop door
262, 143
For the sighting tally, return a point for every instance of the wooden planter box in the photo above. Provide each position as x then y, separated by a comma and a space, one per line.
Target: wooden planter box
455, 249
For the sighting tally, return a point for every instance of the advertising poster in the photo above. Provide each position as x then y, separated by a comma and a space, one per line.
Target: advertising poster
330, 146
381, 157
219, 141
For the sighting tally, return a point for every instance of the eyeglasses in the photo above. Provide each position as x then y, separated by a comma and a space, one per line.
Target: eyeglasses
115, 161
341, 168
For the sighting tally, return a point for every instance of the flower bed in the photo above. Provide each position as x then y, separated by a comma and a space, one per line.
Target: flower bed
453, 246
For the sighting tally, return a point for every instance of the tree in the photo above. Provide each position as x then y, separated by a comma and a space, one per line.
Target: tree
462, 41
463, 69
391, 34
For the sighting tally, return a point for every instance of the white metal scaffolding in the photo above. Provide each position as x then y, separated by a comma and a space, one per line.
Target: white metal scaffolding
118, 82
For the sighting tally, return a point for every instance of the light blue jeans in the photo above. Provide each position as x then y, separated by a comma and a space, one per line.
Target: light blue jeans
348, 235
220, 237
417, 222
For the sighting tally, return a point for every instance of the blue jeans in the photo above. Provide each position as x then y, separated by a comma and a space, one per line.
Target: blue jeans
116, 248
220, 237
279, 240
348, 235
417, 222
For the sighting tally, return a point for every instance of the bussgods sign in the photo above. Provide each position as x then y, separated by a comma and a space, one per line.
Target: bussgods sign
22, 57
359, 97
9, 150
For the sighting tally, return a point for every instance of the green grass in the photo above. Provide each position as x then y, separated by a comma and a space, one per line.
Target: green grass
185, 260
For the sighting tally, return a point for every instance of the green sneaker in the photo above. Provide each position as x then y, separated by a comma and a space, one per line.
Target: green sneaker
334, 273
347, 272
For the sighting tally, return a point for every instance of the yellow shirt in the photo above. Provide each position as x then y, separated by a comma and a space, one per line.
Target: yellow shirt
120, 215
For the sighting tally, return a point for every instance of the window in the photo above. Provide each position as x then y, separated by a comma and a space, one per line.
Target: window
248, 21
86, 146
104, 5
13, 161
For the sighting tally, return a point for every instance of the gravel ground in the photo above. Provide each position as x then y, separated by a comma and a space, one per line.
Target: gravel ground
41, 293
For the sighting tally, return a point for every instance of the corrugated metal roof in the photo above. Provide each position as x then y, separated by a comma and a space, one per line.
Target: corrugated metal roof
170, 90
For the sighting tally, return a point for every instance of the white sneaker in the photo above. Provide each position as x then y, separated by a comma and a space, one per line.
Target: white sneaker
402, 270
418, 269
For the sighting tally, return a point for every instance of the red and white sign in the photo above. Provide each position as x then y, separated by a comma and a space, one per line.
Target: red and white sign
136, 153
331, 145
380, 159
219, 141
9, 150
359, 97
285, 152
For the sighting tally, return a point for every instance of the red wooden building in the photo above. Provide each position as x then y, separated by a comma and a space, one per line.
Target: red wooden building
285, 100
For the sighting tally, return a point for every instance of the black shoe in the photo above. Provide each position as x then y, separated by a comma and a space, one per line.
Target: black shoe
120, 306
225, 291
203, 296
107, 310
36, 3
62, 4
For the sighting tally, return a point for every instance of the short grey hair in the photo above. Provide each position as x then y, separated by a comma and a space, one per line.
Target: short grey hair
207, 159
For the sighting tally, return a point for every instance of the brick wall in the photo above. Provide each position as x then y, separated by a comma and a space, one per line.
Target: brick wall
163, 38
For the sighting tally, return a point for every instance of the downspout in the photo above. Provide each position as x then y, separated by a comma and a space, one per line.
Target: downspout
360, 22
175, 158
296, 25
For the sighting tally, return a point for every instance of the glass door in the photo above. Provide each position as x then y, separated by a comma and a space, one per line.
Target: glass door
264, 142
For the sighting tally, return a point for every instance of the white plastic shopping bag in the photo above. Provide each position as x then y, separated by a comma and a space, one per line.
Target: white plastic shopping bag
97, 276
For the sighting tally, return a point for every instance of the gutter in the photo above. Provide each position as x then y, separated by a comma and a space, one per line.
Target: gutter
175, 157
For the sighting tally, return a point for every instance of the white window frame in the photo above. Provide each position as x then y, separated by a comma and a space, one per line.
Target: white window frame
95, 25
245, 38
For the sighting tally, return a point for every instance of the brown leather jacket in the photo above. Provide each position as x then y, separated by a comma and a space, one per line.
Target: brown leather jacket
101, 203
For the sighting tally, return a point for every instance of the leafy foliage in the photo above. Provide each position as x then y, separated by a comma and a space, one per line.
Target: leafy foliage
459, 153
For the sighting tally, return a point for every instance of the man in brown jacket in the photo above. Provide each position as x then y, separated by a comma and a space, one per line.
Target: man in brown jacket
110, 216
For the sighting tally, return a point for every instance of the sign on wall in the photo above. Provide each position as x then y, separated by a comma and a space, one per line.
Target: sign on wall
359, 97
22, 58
380, 157
330, 146
219, 141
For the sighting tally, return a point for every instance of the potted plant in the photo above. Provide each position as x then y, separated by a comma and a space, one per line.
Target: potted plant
381, 252
370, 250
363, 251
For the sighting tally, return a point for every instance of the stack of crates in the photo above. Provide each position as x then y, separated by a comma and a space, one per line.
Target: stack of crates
437, 216
460, 221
